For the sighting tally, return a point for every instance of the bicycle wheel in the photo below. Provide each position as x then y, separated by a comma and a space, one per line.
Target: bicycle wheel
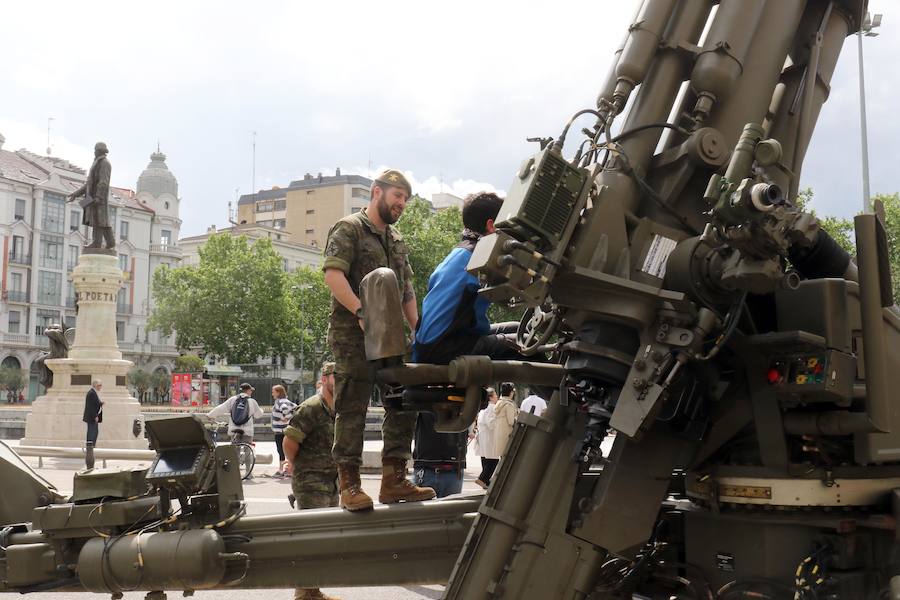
246, 459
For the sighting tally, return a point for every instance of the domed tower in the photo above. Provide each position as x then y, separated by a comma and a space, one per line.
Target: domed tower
158, 189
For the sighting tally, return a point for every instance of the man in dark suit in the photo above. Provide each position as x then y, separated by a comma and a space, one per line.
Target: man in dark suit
93, 416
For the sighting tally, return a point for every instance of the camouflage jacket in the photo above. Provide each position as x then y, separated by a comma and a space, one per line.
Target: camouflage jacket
312, 426
357, 248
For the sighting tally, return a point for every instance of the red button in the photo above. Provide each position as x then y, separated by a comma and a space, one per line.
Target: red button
773, 375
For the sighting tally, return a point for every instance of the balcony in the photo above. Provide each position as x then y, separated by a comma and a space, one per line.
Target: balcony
16, 296
15, 339
169, 249
20, 258
125, 309
164, 349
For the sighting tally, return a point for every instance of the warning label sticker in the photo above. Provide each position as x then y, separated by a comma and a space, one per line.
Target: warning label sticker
657, 255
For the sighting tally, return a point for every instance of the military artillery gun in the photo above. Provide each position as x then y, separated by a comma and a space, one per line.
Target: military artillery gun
744, 360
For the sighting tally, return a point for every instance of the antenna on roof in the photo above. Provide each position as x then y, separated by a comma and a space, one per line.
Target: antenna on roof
49, 120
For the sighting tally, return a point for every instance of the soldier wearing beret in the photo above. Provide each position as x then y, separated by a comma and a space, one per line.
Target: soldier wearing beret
307, 447
357, 245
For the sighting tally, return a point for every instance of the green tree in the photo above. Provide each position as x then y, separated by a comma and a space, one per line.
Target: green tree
309, 306
12, 379
189, 363
141, 380
160, 383
232, 303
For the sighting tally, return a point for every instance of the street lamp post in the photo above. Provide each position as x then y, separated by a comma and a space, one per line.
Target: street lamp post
301, 288
866, 28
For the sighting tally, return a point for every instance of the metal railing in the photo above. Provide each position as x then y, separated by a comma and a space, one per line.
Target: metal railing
163, 349
20, 258
16, 296
123, 308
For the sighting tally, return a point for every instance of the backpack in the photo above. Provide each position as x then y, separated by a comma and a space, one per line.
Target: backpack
240, 410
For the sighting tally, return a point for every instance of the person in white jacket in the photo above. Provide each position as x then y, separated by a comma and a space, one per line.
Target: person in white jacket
504, 417
239, 432
484, 440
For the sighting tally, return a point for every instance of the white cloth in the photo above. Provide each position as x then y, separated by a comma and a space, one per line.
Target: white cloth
225, 409
534, 404
502, 420
484, 437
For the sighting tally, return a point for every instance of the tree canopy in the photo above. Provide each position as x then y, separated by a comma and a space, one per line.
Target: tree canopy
231, 304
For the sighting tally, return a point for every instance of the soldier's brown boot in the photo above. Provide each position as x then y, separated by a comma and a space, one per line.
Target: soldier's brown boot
312, 594
395, 487
352, 495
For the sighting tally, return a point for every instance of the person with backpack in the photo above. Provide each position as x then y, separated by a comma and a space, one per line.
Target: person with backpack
241, 410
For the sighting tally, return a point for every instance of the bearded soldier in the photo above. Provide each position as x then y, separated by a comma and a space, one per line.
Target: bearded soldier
96, 199
357, 245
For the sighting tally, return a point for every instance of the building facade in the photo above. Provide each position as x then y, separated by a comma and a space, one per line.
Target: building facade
308, 207
42, 236
293, 255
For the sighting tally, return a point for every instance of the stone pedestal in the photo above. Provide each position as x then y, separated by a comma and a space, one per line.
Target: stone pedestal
56, 417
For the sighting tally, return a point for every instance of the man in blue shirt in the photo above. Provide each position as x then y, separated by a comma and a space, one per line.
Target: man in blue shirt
454, 322
454, 318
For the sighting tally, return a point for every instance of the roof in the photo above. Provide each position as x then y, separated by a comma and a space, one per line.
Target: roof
129, 199
16, 168
33, 169
157, 179
309, 181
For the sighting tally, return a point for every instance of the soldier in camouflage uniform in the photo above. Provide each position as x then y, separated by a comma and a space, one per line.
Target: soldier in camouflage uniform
357, 245
307, 447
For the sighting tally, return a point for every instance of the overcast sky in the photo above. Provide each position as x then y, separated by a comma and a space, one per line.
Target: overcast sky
446, 91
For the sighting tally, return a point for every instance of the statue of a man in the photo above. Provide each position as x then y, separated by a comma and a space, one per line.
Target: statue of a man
96, 199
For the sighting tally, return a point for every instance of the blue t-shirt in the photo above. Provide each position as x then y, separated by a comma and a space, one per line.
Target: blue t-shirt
451, 290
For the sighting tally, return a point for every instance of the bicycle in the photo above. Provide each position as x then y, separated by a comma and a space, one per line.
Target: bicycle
245, 451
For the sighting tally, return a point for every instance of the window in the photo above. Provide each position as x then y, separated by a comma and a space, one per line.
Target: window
74, 253
281, 204
74, 220
51, 251
15, 282
266, 206
310, 231
123, 230
54, 211
360, 193
113, 214
165, 237
20, 209
167, 205
310, 211
45, 318
279, 223
123, 262
49, 287
15, 320
120, 330
18, 247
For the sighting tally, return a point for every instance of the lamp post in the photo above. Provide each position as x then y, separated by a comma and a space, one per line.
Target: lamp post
300, 288
866, 28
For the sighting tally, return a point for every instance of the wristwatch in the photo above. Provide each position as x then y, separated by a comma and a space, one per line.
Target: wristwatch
359, 313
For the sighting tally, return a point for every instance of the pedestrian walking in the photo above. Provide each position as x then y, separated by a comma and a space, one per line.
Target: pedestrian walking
484, 440
281, 414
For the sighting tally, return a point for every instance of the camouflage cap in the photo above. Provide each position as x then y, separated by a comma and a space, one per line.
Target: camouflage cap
395, 178
327, 368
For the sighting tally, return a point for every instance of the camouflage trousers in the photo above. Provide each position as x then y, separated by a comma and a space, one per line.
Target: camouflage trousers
315, 489
354, 381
